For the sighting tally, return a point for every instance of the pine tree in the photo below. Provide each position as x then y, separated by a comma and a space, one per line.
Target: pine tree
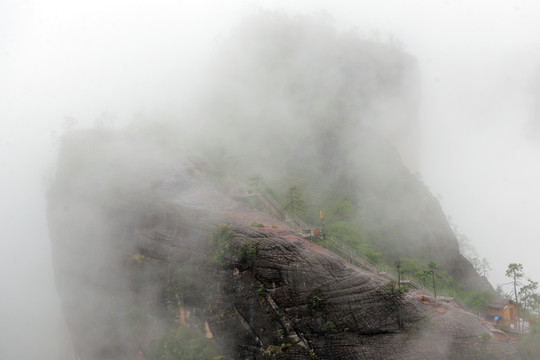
515, 271
295, 201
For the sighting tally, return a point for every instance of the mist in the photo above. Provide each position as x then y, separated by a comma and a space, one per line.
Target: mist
66, 66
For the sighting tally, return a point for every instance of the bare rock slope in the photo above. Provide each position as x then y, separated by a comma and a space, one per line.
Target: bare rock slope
143, 243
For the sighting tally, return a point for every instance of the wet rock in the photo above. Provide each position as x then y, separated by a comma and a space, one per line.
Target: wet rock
133, 258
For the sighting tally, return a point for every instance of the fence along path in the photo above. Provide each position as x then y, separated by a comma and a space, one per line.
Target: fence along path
361, 261
336, 246
274, 209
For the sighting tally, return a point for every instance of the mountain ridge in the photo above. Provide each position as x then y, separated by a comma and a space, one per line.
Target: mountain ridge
135, 257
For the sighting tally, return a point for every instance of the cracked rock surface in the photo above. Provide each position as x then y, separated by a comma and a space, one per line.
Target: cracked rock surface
154, 236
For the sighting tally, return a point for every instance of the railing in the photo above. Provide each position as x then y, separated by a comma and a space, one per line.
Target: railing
360, 260
294, 221
271, 206
343, 250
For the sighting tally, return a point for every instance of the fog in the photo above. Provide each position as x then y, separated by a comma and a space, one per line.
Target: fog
65, 65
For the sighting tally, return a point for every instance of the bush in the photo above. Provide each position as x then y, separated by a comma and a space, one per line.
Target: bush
329, 328
316, 300
138, 258
220, 242
184, 343
273, 351
247, 255
261, 290
529, 344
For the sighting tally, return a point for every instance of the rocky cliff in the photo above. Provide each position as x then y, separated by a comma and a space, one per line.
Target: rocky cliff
334, 114
145, 251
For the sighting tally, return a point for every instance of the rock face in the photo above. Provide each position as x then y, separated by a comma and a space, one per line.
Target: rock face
142, 244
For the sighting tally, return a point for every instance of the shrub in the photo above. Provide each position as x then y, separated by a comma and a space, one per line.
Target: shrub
220, 242
529, 344
138, 258
184, 343
316, 300
247, 255
261, 290
272, 351
329, 328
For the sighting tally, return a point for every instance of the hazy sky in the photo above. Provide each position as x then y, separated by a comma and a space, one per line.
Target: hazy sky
108, 60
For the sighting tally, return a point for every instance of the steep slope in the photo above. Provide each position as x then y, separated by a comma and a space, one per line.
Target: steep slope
334, 114
403, 219
144, 249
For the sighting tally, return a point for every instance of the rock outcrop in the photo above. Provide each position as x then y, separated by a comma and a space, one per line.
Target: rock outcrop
142, 243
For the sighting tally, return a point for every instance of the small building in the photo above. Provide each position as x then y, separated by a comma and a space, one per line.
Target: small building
502, 311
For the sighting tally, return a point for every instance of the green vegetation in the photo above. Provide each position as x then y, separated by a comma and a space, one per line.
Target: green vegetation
261, 290
246, 256
524, 294
276, 315
316, 300
184, 343
394, 293
350, 234
476, 300
221, 244
295, 202
432, 266
317, 142
529, 343
427, 275
482, 352
136, 320
314, 356
515, 271
256, 182
181, 288
480, 265
274, 351
242, 256
328, 160
329, 328
138, 258
248, 252
528, 297
219, 166
325, 152
256, 224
